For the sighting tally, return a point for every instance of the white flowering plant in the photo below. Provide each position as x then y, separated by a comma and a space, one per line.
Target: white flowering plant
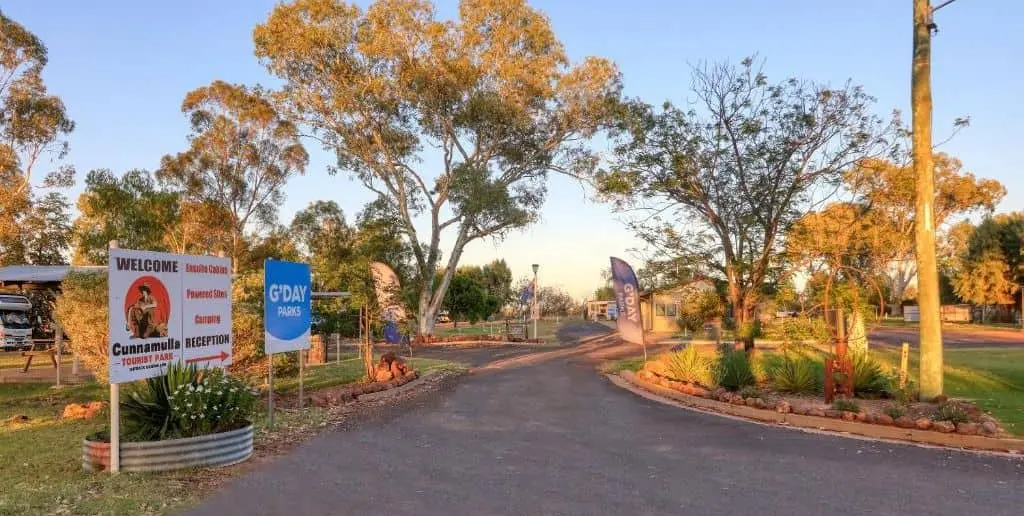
186, 402
214, 402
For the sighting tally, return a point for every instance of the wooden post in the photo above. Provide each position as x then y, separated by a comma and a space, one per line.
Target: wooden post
115, 416
59, 344
904, 359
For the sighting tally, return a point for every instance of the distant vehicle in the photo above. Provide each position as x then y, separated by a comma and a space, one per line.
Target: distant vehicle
443, 318
15, 327
613, 311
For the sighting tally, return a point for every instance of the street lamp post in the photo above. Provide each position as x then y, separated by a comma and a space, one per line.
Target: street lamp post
535, 311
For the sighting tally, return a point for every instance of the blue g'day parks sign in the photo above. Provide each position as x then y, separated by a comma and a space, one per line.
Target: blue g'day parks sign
287, 306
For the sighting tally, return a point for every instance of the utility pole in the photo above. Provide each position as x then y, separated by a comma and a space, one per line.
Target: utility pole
924, 217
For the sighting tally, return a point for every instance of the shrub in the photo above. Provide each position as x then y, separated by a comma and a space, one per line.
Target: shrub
951, 412
749, 391
214, 402
146, 410
868, 375
797, 330
81, 310
796, 374
247, 329
187, 402
845, 405
894, 411
689, 365
734, 371
697, 308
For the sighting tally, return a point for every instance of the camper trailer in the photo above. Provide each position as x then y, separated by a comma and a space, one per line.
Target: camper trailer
15, 326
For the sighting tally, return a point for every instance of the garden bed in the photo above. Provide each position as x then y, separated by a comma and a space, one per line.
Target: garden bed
422, 340
215, 450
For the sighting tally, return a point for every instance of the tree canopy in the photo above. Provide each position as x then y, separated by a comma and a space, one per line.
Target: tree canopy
491, 94
33, 125
725, 180
240, 155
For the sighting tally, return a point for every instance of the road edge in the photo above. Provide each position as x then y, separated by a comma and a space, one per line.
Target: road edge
811, 424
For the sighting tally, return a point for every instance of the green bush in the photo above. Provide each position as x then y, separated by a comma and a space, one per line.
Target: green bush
146, 410
845, 405
796, 374
951, 412
894, 410
81, 310
187, 402
689, 365
868, 375
797, 330
749, 392
697, 308
733, 370
247, 330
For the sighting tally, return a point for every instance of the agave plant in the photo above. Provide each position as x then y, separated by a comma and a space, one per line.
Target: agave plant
146, 412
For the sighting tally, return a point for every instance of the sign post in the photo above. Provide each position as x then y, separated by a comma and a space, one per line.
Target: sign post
163, 308
287, 307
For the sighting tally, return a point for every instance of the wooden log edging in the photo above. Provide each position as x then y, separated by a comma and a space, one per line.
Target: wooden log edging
837, 426
214, 450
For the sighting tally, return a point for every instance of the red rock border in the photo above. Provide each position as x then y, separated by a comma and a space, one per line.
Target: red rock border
828, 420
333, 396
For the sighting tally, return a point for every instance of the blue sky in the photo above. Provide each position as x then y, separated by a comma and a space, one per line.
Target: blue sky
122, 68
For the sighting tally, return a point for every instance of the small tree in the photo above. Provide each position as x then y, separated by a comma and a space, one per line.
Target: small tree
698, 307
81, 310
725, 183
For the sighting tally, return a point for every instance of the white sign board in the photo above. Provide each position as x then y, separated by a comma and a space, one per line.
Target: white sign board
151, 322
206, 305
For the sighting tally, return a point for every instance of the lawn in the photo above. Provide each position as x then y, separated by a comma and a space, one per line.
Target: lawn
547, 328
991, 377
41, 460
900, 323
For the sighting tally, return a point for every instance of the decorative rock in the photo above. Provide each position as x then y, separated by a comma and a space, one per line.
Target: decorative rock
83, 410
816, 412
849, 416
967, 428
783, 407
944, 426
718, 393
699, 391
941, 398
751, 402
905, 422
18, 418
861, 416
869, 418
736, 400
883, 419
759, 403
989, 428
923, 423
644, 374
834, 414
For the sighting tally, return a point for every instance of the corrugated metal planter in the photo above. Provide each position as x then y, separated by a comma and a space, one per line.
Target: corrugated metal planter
212, 450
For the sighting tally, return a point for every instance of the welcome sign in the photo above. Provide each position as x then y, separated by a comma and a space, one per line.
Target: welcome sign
164, 308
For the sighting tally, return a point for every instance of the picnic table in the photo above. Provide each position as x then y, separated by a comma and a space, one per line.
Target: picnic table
40, 347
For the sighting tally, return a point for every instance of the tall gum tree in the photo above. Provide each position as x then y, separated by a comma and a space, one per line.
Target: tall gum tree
721, 183
241, 154
453, 124
33, 125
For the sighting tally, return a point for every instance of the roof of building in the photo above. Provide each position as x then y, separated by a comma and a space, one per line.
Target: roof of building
43, 273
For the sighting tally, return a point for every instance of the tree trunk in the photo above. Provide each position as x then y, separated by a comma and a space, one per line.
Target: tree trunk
427, 317
924, 218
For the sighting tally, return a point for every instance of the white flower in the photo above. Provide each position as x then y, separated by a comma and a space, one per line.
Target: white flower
193, 417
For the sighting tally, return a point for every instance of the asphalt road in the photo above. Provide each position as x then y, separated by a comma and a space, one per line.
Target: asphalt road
556, 438
953, 338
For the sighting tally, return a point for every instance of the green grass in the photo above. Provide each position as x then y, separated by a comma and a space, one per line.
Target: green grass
41, 460
993, 378
546, 328
626, 364
900, 323
349, 370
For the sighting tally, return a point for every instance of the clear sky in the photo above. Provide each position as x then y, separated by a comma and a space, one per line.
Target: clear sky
122, 68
